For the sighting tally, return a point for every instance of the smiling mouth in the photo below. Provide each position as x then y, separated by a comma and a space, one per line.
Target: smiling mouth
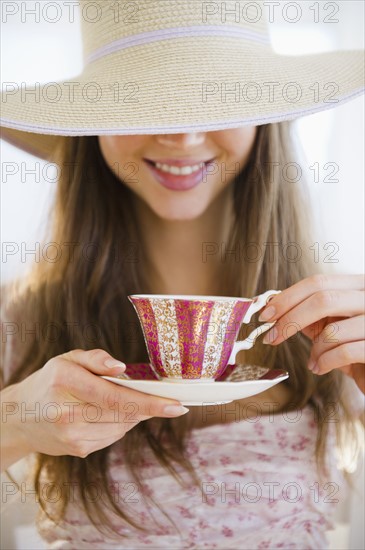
179, 175
181, 168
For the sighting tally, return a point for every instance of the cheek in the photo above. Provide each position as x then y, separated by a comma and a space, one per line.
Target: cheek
115, 148
239, 142
123, 155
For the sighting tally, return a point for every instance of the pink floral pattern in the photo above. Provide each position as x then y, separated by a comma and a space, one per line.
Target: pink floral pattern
257, 491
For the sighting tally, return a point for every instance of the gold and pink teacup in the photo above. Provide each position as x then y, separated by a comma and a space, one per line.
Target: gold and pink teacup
193, 338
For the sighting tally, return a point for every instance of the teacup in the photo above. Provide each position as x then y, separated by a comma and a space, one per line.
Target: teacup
193, 338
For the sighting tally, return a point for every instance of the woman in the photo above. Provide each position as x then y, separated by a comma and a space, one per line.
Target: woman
154, 475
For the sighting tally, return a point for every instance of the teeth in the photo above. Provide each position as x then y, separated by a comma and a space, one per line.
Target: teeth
179, 170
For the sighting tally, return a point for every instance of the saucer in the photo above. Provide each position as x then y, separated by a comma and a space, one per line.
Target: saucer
237, 382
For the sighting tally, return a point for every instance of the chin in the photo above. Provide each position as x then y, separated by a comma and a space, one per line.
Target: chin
179, 210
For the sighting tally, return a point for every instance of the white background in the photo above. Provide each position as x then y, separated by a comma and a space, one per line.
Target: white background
41, 52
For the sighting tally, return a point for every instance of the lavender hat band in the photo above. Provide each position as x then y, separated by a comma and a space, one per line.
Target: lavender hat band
179, 32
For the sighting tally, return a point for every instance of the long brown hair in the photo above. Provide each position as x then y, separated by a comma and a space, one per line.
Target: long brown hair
88, 286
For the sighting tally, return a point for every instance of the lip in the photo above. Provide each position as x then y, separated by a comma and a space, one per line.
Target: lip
180, 162
178, 183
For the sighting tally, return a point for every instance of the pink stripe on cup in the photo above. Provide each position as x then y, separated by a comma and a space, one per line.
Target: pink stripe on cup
193, 323
150, 332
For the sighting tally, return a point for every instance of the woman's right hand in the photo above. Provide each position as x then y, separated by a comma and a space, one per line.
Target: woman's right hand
64, 409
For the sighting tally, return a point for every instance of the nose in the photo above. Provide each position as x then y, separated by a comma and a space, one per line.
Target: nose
181, 140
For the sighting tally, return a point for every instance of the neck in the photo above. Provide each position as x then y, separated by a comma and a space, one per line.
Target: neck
184, 256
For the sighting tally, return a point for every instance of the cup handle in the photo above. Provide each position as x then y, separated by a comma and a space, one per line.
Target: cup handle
259, 302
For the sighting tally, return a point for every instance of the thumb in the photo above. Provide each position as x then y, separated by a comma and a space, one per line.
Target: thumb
97, 361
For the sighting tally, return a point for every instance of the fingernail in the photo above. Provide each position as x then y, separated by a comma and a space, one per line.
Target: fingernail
311, 364
270, 336
114, 364
267, 313
175, 410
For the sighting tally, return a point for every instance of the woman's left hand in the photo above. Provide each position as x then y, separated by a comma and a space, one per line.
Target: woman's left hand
330, 310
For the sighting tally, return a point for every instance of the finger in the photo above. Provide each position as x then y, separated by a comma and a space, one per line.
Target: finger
85, 387
93, 446
85, 413
77, 377
335, 334
319, 305
97, 361
357, 372
106, 416
313, 331
97, 432
340, 356
89, 441
92, 413
297, 293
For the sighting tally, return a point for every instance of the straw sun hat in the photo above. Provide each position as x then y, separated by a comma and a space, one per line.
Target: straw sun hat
173, 66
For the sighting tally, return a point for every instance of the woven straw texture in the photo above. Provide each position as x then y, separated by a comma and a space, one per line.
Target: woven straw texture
205, 74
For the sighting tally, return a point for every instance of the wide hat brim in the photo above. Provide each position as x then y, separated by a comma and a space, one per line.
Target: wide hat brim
179, 85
